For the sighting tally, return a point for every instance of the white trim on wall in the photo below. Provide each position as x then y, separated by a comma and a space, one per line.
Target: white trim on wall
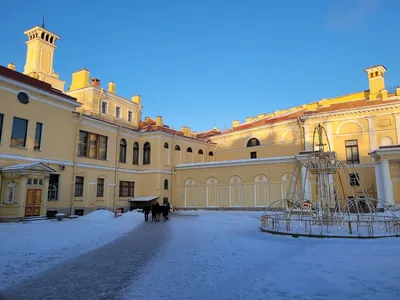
241, 162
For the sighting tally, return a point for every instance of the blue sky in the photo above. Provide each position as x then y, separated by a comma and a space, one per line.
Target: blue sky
206, 63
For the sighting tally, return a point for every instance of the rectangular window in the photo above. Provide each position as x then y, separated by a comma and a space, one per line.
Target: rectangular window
253, 154
130, 116
165, 200
352, 155
38, 136
53, 187
19, 130
118, 112
354, 179
100, 187
126, 189
104, 107
79, 186
1, 126
92, 145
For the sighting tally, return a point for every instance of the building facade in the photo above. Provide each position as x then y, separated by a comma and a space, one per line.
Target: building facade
88, 148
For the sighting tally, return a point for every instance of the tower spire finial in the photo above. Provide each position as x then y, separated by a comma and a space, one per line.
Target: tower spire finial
42, 22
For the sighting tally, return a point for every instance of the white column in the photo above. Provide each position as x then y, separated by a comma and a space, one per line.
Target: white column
379, 184
372, 136
329, 134
397, 118
387, 183
307, 138
306, 184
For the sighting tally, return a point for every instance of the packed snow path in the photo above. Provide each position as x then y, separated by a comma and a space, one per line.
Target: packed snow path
99, 274
222, 255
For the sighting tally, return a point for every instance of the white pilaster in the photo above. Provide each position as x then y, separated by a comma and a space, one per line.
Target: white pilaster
329, 134
397, 118
379, 184
306, 184
387, 183
307, 138
372, 136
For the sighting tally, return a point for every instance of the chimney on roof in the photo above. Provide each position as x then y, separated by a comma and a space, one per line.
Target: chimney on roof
96, 82
111, 87
235, 123
248, 119
159, 121
147, 120
398, 91
136, 99
80, 79
376, 81
11, 66
187, 131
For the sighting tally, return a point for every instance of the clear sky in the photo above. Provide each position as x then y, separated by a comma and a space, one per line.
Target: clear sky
205, 63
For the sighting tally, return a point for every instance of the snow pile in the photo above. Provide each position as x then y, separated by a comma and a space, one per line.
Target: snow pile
99, 215
32, 247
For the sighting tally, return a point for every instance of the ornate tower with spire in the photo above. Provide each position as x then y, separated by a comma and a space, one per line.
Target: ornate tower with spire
41, 44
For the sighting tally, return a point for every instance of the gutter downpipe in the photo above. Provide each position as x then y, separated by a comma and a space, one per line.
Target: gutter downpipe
116, 165
78, 125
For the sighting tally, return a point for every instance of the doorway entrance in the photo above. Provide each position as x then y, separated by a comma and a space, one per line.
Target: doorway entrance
33, 202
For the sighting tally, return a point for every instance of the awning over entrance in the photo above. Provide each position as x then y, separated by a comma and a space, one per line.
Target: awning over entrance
143, 199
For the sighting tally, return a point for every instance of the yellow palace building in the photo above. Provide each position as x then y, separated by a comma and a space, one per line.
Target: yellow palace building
86, 148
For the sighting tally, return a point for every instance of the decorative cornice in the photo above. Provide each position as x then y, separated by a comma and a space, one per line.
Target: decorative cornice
347, 112
39, 91
252, 130
235, 163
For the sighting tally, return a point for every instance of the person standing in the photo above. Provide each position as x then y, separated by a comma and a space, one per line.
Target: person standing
146, 210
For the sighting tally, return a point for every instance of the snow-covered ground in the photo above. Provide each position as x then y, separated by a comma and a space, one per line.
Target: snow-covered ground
208, 255
222, 255
28, 248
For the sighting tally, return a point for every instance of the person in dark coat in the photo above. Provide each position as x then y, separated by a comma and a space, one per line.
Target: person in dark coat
153, 213
146, 210
157, 211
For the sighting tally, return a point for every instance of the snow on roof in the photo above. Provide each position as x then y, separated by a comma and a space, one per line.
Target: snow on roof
143, 199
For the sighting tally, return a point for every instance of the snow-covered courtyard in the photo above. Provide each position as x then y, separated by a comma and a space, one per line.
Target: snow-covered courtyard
195, 255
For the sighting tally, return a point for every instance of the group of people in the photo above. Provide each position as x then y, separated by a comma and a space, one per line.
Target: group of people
156, 211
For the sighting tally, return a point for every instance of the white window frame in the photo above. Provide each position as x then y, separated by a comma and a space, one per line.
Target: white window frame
129, 111
107, 108
120, 112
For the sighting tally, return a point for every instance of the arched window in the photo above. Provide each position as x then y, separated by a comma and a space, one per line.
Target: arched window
122, 151
210, 153
166, 145
135, 153
253, 142
177, 148
200, 152
146, 153
166, 184
189, 150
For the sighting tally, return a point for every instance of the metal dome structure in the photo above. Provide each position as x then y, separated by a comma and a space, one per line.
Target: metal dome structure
325, 198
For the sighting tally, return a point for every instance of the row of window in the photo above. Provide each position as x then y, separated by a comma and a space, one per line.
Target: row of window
93, 145
189, 150
118, 111
126, 188
352, 154
20, 131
